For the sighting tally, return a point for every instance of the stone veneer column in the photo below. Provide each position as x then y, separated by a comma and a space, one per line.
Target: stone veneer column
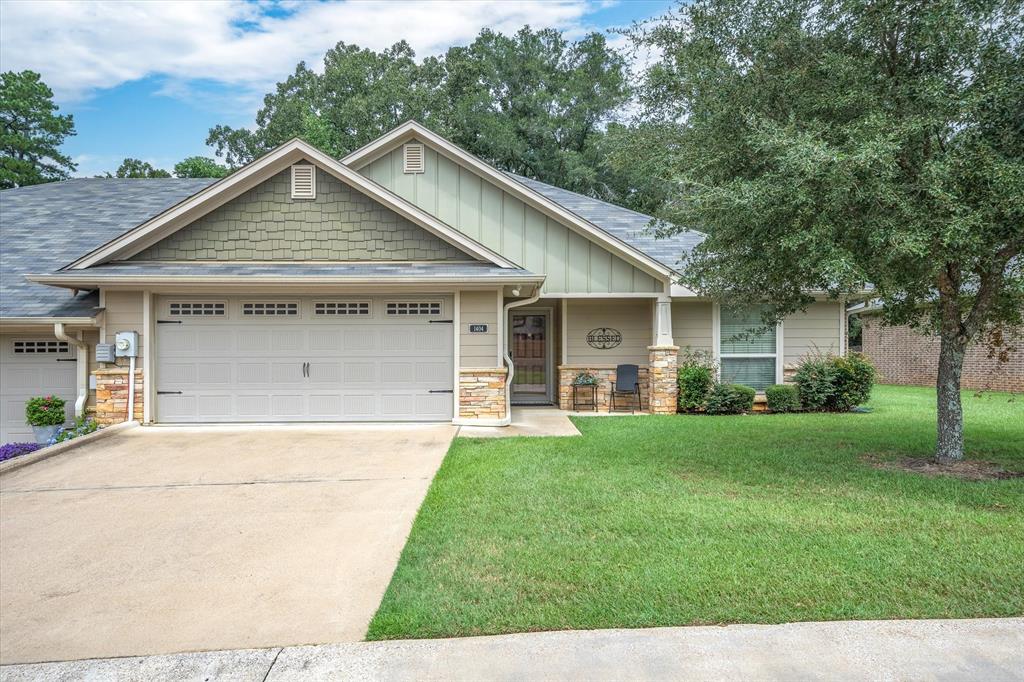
482, 393
112, 395
663, 393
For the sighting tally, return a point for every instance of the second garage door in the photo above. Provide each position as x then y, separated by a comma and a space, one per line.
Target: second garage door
254, 359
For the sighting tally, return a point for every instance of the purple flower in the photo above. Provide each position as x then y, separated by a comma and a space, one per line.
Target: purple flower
9, 450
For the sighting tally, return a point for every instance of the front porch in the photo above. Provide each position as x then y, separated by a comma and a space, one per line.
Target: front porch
555, 340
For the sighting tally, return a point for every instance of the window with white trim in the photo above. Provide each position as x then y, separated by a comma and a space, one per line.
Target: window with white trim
196, 308
303, 181
412, 308
270, 308
40, 347
341, 308
747, 349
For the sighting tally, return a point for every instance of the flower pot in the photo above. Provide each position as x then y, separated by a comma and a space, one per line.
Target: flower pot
43, 434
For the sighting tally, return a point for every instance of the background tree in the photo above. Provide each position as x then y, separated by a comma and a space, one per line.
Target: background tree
135, 168
825, 144
533, 103
31, 132
199, 167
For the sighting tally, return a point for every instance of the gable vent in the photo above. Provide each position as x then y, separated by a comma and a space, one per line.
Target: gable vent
303, 182
413, 155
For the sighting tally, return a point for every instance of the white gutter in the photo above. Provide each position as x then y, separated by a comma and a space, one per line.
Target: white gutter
81, 365
508, 358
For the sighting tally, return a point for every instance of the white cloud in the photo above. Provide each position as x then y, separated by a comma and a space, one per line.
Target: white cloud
80, 47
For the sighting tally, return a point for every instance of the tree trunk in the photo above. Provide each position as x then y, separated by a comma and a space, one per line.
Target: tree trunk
950, 447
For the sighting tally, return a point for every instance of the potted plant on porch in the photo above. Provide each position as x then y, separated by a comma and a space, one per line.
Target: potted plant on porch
45, 415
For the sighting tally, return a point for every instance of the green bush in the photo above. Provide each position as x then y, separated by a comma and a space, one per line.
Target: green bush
695, 378
730, 399
782, 398
830, 383
45, 411
83, 425
855, 376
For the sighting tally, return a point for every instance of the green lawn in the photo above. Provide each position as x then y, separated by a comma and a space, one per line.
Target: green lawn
651, 521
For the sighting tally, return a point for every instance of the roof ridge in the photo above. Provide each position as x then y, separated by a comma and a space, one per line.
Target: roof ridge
582, 196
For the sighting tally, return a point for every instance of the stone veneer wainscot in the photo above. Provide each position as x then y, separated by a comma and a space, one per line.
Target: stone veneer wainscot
112, 395
482, 393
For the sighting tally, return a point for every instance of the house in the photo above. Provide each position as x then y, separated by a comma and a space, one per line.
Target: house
407, 281
910, 357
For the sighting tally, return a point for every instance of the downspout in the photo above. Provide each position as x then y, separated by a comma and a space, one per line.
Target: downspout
507, 419
81, 364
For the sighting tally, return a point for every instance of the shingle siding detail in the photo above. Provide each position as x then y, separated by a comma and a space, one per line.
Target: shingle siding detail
907, 357
266, 224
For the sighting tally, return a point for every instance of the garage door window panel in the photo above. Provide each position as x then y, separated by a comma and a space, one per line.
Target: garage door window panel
270, 309
411, 308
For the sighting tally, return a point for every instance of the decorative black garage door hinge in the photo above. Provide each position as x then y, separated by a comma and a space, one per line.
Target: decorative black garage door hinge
441, 321
440, 390
168, 392
168, 321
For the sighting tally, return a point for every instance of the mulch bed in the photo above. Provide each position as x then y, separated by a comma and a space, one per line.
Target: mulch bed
966, 470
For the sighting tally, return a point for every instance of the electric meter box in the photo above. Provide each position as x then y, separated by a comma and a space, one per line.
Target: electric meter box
126, 344
105, 352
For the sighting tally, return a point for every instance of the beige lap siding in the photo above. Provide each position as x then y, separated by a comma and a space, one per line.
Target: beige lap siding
631, 317
692, 325
124, 314
815, 331
478, 349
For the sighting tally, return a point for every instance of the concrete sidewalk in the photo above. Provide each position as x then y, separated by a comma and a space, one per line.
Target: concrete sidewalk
982, 649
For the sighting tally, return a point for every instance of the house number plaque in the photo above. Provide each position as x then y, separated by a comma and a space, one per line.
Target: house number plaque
478, 329
604, 338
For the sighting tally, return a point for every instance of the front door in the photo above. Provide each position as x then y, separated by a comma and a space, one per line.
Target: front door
530, 345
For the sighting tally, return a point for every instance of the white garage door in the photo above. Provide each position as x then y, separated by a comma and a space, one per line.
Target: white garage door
33, 366
256, 359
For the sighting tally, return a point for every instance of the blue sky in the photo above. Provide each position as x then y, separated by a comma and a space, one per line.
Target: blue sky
148, 79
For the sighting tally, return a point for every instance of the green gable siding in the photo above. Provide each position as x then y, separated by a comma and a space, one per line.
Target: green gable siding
500, 221
265, 223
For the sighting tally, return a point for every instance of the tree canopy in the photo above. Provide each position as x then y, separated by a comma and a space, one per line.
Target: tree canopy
31, 132
828, 145
199, 167
136, 168
533, 103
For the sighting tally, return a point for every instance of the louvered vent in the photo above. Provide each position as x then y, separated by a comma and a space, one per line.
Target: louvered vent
304, 182
413, 154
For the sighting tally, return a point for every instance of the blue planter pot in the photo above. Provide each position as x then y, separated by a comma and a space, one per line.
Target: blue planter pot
43, 434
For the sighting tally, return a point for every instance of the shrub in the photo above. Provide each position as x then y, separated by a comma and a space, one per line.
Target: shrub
833, 383
730, 399
48, 411
782, 398
9, 450
82, 426
855, 376
695, 377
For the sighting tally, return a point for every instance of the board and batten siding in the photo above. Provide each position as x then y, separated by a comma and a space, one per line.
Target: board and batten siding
814, 331
692, 325
478, 349
124, 314
632, 317
503, 223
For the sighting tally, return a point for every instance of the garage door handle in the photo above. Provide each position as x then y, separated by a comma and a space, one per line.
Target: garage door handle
168, 392
168, 321
441, 321
440, 390
66, 360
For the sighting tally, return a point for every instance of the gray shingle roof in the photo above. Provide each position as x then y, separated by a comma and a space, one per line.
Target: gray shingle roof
296, 271
628, 226
45, 227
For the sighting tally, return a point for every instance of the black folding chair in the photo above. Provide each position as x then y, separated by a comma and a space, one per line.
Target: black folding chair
627, 384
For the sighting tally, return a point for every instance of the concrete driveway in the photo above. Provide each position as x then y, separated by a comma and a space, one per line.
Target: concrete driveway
161, 539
